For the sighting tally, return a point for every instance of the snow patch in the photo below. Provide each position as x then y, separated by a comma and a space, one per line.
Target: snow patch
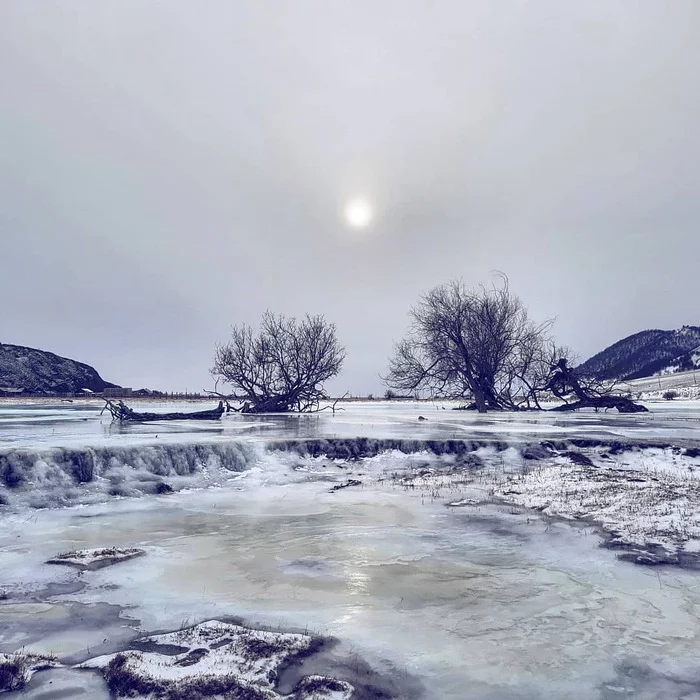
92, 559
212, 659
646, 499
17, 669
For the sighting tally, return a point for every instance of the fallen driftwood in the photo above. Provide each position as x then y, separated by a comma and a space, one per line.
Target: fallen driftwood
344, 485
622, 404
565, 382
93, 559
121, 412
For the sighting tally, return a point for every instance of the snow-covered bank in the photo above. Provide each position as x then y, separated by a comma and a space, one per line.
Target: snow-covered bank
645, 499
212, 659
16, 670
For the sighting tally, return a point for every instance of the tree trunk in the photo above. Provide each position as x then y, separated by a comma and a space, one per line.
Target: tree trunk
479, 399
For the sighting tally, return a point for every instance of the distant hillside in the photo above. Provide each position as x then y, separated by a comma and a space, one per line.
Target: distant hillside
689, 361
38, 371
646, 353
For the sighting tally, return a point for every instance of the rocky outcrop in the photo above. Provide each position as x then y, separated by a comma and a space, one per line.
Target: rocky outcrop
41, 372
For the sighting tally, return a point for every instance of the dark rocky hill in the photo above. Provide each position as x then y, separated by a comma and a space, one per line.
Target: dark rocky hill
644, 354
39, 372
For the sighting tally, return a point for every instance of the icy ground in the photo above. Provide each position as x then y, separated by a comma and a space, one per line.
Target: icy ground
33, 425
499, 597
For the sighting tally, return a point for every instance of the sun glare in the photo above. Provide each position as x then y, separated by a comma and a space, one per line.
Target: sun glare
358, 213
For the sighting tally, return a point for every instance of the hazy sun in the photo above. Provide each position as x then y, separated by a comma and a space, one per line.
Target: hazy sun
358, 213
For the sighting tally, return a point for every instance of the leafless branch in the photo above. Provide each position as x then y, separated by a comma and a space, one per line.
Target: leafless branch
283, 366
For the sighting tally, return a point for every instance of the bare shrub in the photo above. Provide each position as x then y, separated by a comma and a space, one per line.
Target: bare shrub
283, 366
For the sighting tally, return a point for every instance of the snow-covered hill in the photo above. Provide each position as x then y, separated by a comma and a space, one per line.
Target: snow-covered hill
38, 371
645, 354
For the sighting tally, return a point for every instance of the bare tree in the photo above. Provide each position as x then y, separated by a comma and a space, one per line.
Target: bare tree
283, 366
528, 371
476, 343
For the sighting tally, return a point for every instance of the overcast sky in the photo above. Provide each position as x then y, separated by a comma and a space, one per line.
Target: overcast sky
168, 169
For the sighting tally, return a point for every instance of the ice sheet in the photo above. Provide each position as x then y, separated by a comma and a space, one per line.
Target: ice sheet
501, 604
79, 424
482, 603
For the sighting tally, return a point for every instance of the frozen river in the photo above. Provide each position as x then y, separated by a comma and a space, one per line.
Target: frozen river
34, 425
490, 603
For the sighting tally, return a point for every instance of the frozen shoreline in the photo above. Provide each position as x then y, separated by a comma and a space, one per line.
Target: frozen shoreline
644, 499
642, 493
498, 580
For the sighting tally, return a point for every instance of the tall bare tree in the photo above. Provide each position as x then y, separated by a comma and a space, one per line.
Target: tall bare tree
283, 366
474, 343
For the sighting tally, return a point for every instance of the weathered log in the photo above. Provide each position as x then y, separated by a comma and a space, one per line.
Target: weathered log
121, 412
622, 404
